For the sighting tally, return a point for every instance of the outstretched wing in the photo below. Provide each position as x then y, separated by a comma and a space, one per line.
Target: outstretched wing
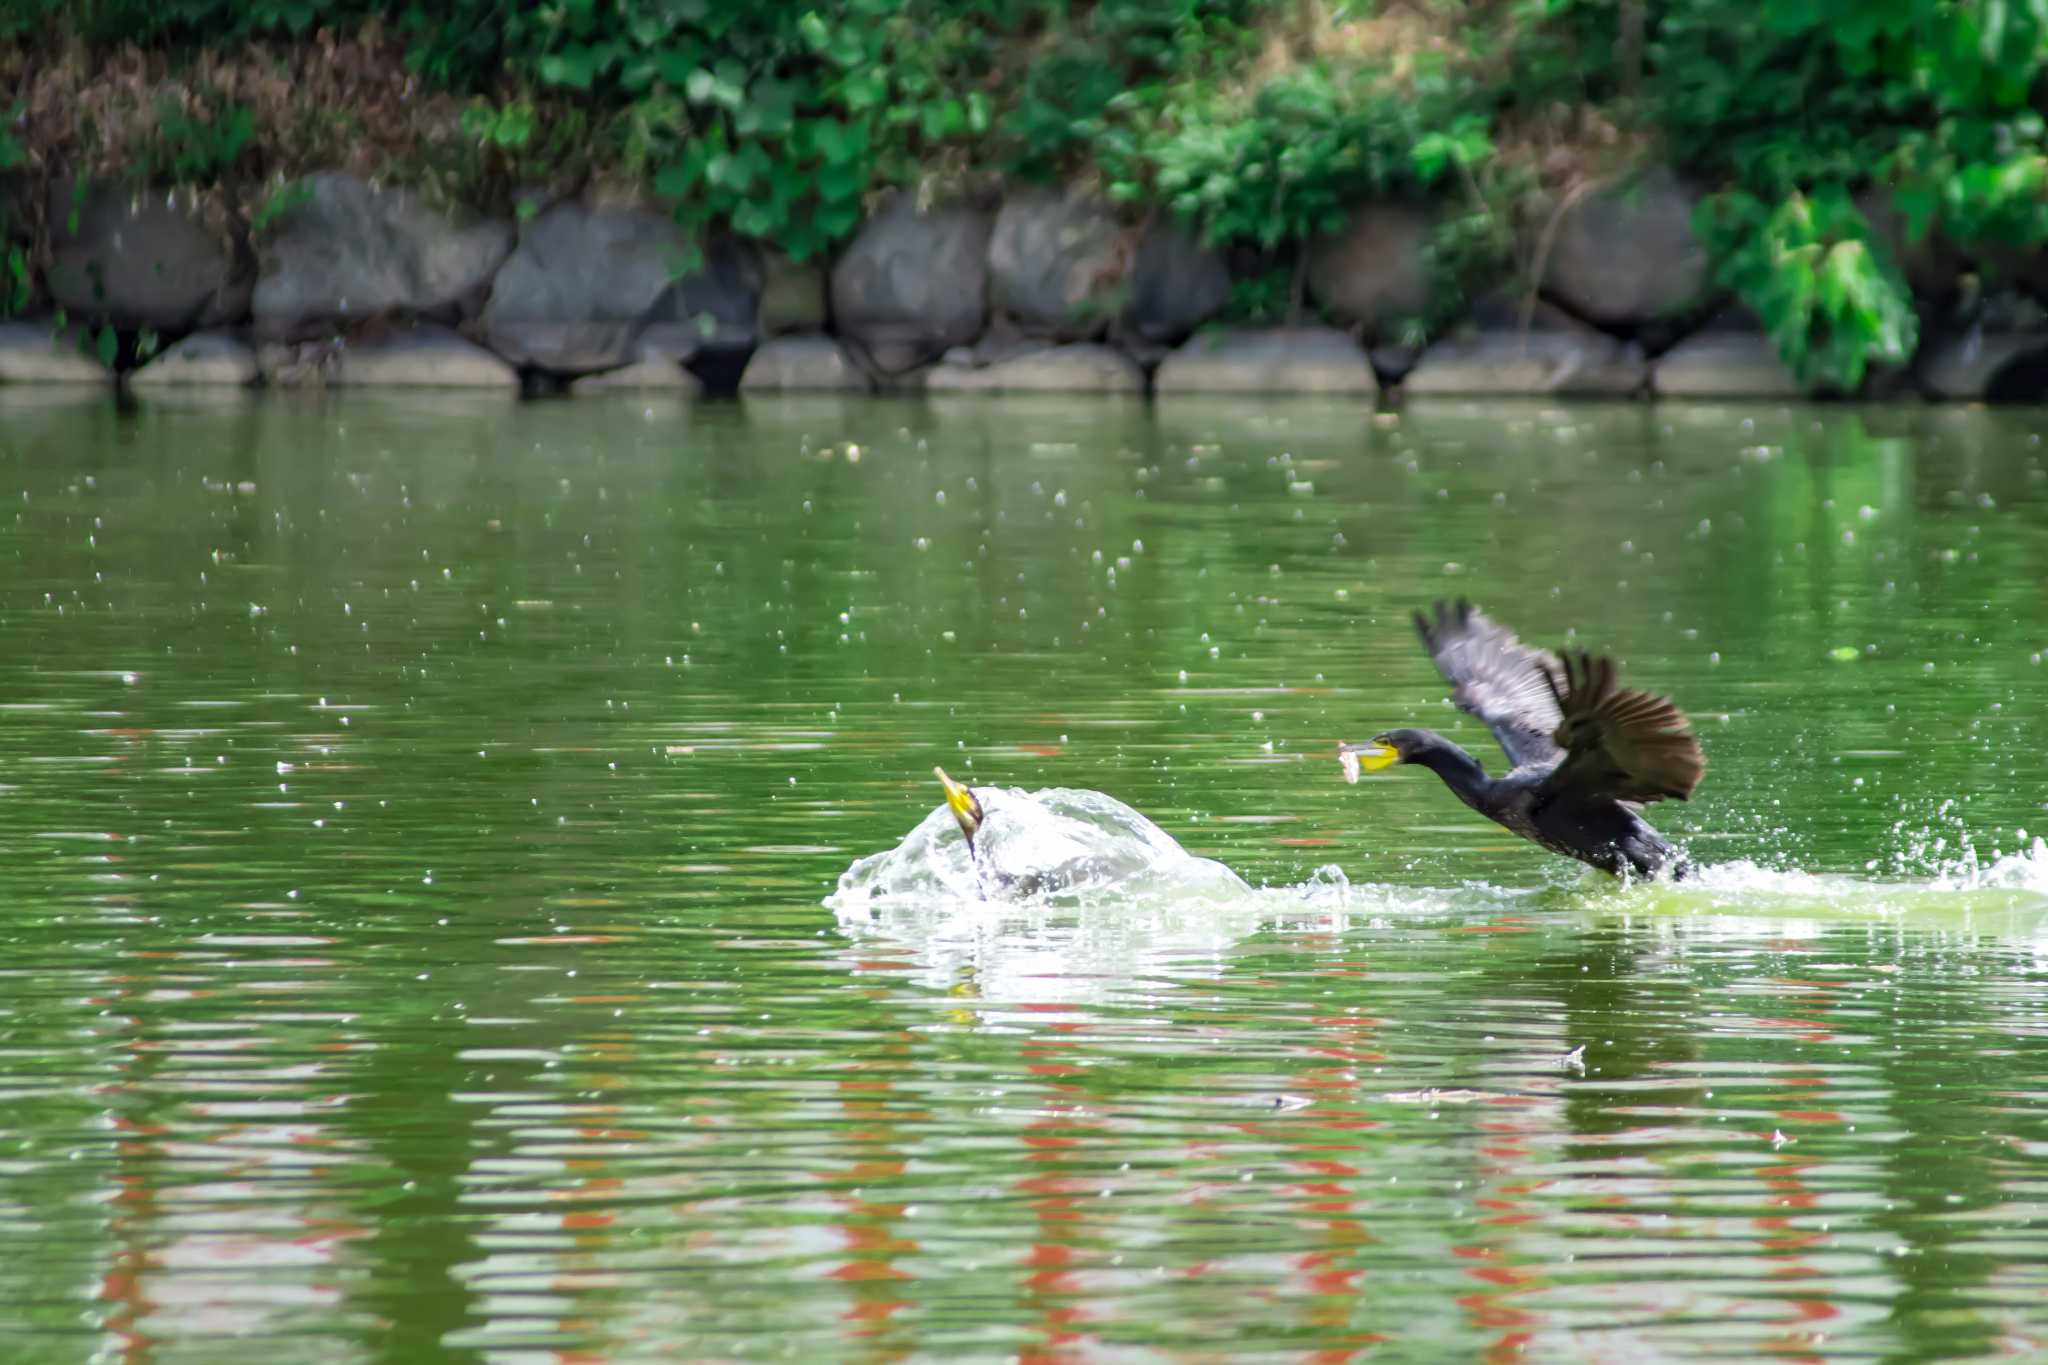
1628, 746
1497, 678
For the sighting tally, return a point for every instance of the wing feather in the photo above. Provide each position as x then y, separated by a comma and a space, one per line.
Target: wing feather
1496, 678
1618, 743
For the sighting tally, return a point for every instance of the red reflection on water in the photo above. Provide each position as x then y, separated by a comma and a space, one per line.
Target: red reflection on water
121, 1285
1806, 1030
1330, 1274
870, 1228
1783, 1242
1056, 1133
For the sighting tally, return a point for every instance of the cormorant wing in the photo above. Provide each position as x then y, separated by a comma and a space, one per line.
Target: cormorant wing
1497, 678
1628, 746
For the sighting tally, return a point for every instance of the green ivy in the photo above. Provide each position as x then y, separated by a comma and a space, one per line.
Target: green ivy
1796, 104
770, 121
1282, 165
201, 149
1810, 268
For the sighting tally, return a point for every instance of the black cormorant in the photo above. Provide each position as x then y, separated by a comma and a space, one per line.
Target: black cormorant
1585, 756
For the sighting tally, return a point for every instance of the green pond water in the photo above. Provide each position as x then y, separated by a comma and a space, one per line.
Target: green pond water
421, 819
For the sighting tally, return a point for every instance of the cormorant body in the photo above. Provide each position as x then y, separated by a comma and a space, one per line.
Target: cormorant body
1584, 755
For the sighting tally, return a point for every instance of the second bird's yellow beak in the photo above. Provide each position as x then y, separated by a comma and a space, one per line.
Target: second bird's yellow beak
957, 796
961, 802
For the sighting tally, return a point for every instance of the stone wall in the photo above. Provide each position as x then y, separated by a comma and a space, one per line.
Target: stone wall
361, 284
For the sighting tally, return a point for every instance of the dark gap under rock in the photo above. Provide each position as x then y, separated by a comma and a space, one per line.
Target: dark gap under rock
2023, 379
718, 369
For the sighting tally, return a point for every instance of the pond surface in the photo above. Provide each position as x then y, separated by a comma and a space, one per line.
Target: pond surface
417, 817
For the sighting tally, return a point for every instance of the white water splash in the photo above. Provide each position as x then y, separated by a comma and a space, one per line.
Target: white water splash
1072, 897
1130, 909
1061, 844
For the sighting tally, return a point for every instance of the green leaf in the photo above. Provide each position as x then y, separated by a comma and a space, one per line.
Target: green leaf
679, 177
676, 65
759, 218
729, 86
572, 66
841, 183
770, 109
837, 220
863, 90
1918, 207
106, 345
735, 171
944, 118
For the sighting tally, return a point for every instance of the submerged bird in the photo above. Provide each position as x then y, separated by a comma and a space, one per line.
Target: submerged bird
1585, 756
969, 814
1023, 844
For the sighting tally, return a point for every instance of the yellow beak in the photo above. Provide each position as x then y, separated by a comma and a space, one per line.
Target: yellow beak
1370, 757
957, 796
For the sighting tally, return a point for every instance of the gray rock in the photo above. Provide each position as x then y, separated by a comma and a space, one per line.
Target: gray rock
1002, 341
1723, 365
1624, 255
350, 252
1933, 266
1966, 367
1576, 362
1273, 360
1058, 264
793, 296
1375, 272
299, 364
720, 299
673, 341
213, 358
1176, 285
581, 285
912, 284
1083, 367
30, 354
659, 355
797, 364
648, 374
423, 357
144, 258
1512, 310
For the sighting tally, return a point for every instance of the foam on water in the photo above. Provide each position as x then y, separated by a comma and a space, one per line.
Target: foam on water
2005, 896
1060, 844
1124, 902
1072, 896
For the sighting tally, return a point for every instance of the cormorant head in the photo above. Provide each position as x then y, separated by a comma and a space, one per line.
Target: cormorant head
966, 809
1384, 751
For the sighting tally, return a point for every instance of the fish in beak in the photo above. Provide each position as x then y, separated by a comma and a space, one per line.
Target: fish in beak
1370, 757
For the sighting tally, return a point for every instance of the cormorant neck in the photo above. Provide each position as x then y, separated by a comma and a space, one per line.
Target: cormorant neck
1459, 770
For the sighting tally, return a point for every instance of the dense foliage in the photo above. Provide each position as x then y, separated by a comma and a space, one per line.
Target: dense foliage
1257, 121
1806, 116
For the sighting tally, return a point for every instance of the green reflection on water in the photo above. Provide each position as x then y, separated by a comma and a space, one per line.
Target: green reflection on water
414, 815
